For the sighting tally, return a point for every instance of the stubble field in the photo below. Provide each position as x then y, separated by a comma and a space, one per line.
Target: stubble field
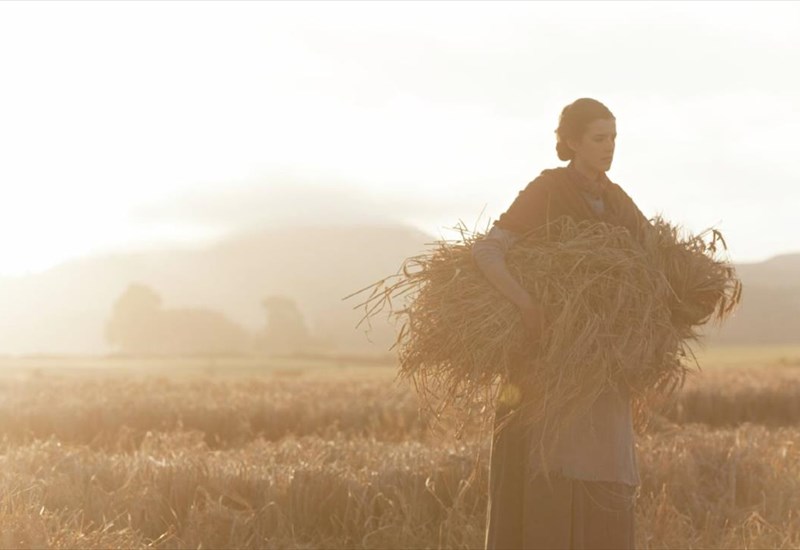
305, 453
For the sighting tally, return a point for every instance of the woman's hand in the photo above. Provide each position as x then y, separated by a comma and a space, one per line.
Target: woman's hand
533, 320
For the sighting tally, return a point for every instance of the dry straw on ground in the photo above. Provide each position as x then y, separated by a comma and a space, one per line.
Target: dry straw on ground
619, 313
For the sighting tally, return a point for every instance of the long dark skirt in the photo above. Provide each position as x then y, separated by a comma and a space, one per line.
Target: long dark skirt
529, 513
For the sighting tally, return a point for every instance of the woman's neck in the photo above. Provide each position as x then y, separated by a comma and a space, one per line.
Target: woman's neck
586, 171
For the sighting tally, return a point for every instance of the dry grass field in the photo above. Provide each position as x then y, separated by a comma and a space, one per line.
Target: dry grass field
313, 453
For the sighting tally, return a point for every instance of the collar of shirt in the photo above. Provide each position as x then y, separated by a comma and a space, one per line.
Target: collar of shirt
596, 188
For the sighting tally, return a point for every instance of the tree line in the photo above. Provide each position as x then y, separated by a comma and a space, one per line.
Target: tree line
140, 324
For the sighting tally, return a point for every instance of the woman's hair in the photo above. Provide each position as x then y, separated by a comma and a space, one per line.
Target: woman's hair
573, 121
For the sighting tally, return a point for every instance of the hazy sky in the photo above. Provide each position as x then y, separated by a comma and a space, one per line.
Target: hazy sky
129, 125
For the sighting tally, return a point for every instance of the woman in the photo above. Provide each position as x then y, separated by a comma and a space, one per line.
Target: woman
588, 501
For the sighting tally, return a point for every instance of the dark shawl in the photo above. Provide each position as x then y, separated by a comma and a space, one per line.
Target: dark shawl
557, 192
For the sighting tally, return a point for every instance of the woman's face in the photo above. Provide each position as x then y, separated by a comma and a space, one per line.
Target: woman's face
595, 150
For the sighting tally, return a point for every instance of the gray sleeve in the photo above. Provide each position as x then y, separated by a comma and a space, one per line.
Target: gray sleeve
490, 252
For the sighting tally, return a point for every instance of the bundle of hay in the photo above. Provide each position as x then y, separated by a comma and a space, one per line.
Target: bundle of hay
618, 311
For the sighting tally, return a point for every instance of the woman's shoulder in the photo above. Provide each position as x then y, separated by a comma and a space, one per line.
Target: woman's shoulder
531, 208
549, 182
548, 178
554, 174
617, 189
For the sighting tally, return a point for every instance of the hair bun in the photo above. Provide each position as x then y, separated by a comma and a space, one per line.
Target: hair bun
564, 152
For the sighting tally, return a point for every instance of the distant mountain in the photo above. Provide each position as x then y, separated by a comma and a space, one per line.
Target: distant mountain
770, 308
777, 272
64, 309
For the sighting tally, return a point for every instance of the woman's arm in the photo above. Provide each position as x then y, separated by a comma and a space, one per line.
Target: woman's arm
489, 255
